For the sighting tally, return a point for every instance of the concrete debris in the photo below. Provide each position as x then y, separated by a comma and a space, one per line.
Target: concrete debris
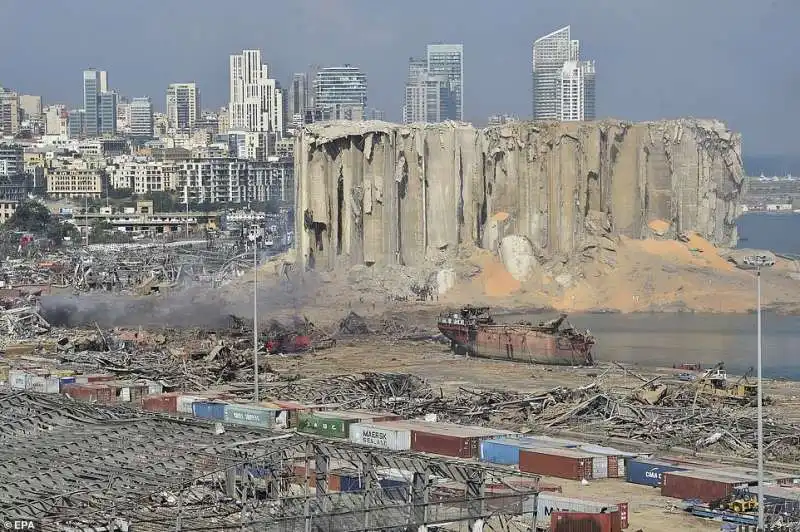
516, 252
386, 194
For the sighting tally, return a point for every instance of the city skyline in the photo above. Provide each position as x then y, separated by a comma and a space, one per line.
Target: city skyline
648, 71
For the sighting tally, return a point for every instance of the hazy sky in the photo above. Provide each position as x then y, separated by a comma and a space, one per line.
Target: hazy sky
738, 60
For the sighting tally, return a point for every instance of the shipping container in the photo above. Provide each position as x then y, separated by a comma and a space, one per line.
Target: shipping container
696, 484
599, 467
584, 522
41, 384
250, 415
648, 472
18, 379
154, 388
376, 435
447, 439
209, 410
166, 402
4, 373
96, 377
62, 381
100, 393
560, 463
333, 423
544, 504
183, 404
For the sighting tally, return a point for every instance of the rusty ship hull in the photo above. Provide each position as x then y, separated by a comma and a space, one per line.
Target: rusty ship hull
533, 344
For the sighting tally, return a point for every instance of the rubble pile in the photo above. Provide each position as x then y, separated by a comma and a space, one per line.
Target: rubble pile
124, 269
679, 418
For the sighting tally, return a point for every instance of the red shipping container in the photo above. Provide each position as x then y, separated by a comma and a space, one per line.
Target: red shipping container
165, 402
560, 463
101, 377
581, 522
445, 444
89, 392
703, 485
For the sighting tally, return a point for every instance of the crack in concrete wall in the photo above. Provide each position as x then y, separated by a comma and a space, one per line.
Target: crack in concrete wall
381, 193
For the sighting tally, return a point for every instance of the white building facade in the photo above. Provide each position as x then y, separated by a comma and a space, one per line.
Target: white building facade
256, 102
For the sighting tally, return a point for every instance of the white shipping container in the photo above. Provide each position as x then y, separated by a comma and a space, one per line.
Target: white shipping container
154, 388
599, 467
621, 464
36, 383
396, 439
18, 379
52, 385
547, 503
125, 394
185, 403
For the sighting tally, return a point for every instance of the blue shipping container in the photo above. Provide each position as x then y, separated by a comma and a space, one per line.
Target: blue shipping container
501, 451
647, 473
350, 483
62, 381
209, 410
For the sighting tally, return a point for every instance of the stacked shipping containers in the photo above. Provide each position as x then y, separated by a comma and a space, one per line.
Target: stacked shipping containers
543, 505
648, 472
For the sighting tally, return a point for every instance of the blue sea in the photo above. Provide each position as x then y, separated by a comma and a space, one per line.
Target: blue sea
777, 232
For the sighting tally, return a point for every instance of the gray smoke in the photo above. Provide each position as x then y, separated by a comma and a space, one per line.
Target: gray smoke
190, 307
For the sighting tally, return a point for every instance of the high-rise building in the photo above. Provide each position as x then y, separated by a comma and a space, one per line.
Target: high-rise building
12, 160
256, 103
56, 121
76, 124
108, 113
9, 112
183, 106
31, 105
94, 82
141, 119
448, 60
563, 85
428, 97
340, 93
298, 99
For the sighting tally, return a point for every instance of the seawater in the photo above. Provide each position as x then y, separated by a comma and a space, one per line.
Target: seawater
665, 339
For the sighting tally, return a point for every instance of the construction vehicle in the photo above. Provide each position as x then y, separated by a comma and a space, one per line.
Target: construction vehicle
715, 382
740, 501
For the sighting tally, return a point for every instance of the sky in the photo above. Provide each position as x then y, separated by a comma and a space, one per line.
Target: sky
736, 60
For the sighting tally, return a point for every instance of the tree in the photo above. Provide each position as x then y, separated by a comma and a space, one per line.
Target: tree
33, 217
30, 216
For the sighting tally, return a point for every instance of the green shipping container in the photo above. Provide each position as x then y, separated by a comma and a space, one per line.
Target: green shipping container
250, 415
325, 425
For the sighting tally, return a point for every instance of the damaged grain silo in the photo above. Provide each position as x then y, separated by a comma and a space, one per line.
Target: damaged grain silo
382, 193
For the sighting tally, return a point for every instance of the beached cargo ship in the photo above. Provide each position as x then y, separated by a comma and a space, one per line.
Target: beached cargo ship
472, 331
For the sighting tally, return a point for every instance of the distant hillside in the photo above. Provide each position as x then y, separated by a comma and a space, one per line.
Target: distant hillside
770, 165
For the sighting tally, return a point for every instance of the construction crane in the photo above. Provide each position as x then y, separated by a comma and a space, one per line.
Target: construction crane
715, 382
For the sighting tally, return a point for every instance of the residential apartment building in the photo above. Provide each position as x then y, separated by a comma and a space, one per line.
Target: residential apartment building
9, 112
76, 180
141, 118
7, 210
256, 102
235, 180
56, 121
12, 160
340, 93
563, 85
141, 177
183, 107
448, 60
31, 106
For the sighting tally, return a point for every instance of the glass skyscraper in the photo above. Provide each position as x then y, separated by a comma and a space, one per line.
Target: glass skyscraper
448, 60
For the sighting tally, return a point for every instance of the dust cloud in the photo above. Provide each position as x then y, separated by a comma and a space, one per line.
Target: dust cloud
192, 306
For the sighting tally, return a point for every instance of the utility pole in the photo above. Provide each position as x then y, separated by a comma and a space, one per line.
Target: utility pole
186, 194
760, 412
86, 217
255, 318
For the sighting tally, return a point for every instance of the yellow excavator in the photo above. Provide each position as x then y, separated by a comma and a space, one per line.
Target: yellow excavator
715, 382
